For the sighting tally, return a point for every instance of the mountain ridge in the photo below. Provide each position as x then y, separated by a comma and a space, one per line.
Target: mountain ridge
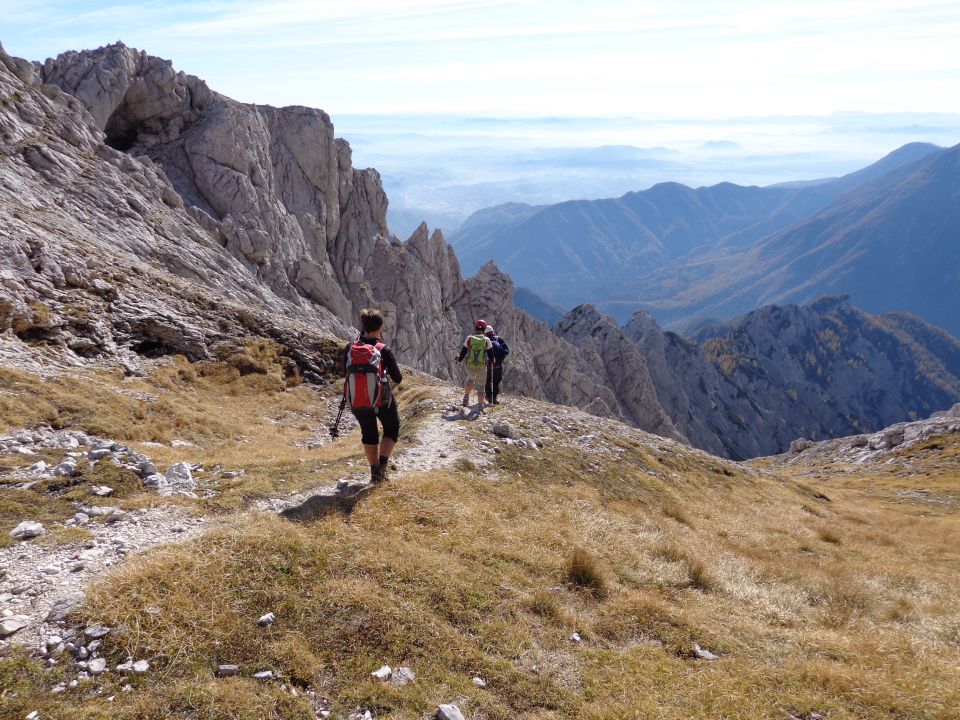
682, 264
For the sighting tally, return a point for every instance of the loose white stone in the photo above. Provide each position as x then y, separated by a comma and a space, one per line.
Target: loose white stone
12, 623
403, 676
383, 673
95, 632
27, 529
703, 654
449, 712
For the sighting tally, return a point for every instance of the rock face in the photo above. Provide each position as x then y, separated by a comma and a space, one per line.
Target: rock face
252, 175
261, 204
609, 349
753, 386
100, 256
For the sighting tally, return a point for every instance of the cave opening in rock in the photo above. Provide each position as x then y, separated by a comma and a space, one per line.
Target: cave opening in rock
153, 349
121, 130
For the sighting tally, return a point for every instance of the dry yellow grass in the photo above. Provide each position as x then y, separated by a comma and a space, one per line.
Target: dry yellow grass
847, 608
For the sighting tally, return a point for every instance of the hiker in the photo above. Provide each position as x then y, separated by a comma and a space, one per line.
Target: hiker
498, 351
476, 349
367, 362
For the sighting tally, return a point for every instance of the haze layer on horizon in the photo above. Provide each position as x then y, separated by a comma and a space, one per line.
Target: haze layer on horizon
467, 103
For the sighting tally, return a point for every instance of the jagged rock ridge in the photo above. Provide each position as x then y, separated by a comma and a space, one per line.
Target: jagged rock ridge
255, 204
752, 386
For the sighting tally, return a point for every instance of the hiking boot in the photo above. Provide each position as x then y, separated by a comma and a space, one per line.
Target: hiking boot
376, 474
383, 469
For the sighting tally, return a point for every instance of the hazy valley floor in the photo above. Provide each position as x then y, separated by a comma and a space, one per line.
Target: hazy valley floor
573, 564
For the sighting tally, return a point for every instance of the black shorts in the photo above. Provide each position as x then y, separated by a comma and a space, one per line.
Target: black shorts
389, 418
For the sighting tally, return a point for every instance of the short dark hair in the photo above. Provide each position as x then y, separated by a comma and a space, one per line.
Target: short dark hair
371, 319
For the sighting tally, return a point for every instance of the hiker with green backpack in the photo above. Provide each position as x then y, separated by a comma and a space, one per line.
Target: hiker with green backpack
476, 351
367, 365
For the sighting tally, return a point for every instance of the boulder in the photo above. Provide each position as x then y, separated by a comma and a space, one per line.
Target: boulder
27, 529
449, 712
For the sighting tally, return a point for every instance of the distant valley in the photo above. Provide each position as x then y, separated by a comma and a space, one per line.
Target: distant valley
886, 235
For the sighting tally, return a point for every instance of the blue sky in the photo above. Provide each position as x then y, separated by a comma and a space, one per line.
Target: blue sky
679, 58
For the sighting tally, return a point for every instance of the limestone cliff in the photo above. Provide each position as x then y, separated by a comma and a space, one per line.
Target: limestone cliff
777, 374
258, 202
100, 256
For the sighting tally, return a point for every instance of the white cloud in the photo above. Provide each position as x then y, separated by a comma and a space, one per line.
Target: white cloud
539, 56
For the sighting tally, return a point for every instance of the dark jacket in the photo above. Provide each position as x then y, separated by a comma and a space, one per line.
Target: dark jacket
499, 351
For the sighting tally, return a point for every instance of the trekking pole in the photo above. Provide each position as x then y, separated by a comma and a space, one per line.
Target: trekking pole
335, 428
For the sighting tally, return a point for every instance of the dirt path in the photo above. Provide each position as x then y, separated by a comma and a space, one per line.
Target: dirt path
40, 575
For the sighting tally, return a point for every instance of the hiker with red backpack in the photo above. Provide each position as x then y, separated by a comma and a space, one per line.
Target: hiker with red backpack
476, 350
367, 364
498, 352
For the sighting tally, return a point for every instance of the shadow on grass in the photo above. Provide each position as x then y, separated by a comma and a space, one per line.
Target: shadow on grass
318, 507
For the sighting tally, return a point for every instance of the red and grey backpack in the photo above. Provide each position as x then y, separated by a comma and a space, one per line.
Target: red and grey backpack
365, 386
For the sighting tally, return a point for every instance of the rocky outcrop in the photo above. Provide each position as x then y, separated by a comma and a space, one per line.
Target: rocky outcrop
253, 204
624, 365
872, 448
100, 255
777, 374
273, 185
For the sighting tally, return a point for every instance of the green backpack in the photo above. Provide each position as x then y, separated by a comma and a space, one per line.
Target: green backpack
477, 351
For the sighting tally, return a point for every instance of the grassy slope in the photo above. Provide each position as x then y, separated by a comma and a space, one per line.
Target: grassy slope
844, 607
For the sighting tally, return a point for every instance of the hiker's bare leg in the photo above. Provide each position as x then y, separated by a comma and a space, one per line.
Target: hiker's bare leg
466, 393
386, 447
373, 453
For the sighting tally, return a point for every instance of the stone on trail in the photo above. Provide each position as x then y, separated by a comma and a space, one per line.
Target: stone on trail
27, 529
130, 667
227, 670
503, 430
180, 476
67, 468
266, 620
449, 712
10, 625
96, 632
62, 607
97, 666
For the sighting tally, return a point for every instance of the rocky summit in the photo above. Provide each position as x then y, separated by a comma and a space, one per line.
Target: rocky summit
149, 215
